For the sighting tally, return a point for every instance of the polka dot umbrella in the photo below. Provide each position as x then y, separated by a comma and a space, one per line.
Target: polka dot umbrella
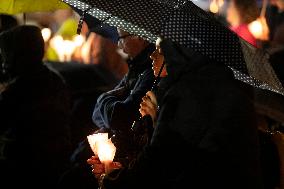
186, 24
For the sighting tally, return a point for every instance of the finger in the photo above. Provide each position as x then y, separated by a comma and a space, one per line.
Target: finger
150, 104
90, 161
142, 104
95, 157
146, 98
149, 93
142, 112
149, 110
93, 161
152, 96
145, 109
98, 169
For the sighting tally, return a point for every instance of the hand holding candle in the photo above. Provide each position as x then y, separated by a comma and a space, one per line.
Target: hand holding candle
106, 152
103, 148
100, 169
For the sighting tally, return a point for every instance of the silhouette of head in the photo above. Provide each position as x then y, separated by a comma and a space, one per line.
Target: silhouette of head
21, 49
7, 22
131, 44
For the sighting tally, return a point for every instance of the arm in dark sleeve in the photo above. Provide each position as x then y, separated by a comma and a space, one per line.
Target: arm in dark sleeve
186, 147
153, 164
102, 108
119, 108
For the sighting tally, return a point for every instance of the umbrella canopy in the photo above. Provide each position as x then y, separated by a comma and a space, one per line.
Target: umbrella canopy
25, 6
186, 24
97, 26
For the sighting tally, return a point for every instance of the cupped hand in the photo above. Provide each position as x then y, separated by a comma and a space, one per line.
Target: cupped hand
98, 168
149, 106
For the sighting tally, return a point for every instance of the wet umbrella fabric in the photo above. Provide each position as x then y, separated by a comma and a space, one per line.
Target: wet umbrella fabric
96, 25
186, 24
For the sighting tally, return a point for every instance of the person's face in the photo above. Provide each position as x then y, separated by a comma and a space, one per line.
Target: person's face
158, 59
130, 44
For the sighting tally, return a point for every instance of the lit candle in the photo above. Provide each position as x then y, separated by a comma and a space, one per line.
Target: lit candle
79, 40
94, 138
46, 34
56, 43
106, 152
259, 29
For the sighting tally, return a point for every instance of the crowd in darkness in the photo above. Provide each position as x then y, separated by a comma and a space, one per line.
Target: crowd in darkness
48, 108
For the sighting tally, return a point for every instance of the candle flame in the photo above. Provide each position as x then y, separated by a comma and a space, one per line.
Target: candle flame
256, 28
46, 34
94, 138
106, 150
103, 147
259, 29
79, 40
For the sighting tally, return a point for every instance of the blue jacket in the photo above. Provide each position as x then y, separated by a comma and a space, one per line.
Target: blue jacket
118, 108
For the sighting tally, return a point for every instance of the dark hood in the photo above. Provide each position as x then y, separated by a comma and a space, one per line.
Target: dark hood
180, 60
22, 49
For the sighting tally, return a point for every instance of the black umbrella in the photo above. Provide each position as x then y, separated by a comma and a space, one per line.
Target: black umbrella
96, 25
186, 24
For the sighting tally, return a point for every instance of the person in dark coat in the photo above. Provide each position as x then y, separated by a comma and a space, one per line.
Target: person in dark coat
116, 109
206, 135
34, 113
150, 102
130, 90
6, 22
